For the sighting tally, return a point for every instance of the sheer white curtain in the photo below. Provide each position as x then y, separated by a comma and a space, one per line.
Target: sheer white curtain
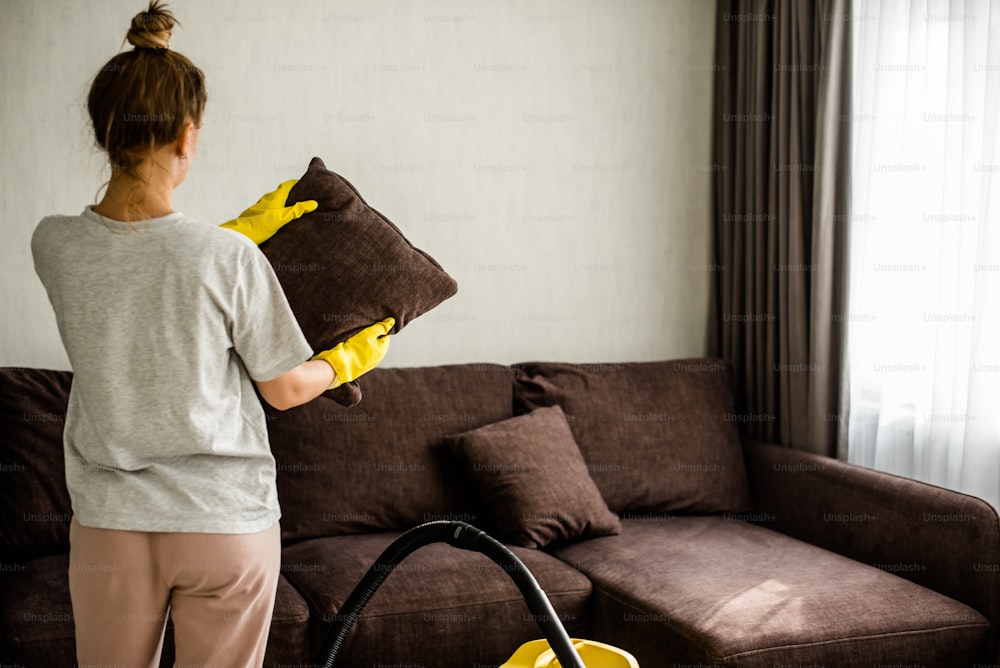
924, 320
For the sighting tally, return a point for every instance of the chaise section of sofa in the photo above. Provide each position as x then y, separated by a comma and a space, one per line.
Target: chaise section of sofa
716, 590
943, 540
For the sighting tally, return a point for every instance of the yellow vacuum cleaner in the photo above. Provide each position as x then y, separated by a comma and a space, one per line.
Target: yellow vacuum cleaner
538, 654
557, 650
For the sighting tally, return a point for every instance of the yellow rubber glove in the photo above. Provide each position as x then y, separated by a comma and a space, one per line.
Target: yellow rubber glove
269, 214
359, 354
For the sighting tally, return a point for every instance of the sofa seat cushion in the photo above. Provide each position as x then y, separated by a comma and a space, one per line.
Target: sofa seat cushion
36, 618
714, 590
442, 607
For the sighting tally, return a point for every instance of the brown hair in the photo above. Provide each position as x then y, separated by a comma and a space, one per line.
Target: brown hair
142, 98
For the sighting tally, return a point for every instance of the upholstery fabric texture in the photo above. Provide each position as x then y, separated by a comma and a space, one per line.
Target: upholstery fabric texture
345, 266
531, 476
656, 436
383, 465
718, 590
37, 507
442, 606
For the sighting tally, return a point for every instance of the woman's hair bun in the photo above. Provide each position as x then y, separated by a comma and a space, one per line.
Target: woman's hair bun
151, 29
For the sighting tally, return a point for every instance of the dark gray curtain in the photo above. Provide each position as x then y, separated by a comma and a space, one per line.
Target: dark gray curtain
781, 148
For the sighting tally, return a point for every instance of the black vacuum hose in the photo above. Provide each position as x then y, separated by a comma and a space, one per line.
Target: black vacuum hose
466, 537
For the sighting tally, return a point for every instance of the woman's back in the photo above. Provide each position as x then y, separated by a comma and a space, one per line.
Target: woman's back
162, 319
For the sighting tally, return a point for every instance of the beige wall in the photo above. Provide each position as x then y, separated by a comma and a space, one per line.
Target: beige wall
553, 156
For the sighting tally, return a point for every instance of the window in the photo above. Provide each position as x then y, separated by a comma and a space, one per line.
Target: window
924, 321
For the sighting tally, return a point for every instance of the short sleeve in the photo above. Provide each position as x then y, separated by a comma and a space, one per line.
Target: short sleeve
264, 331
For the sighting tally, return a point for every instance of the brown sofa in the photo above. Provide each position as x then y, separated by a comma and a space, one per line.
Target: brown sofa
726, 552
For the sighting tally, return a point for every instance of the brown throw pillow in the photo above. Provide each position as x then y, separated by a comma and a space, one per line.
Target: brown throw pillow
532, 478
658, 436
345, 266
37, 511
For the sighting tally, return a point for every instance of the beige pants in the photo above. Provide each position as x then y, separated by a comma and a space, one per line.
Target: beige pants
219, 590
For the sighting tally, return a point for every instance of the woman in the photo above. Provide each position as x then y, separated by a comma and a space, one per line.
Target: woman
169, 324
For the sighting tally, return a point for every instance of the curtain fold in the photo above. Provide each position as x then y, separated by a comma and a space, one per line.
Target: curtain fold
781, 143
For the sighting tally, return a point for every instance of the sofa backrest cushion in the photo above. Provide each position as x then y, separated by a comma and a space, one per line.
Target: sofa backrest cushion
656, 436
383, 465
34, 504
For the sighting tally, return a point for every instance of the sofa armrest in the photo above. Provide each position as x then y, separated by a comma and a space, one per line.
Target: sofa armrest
938, 538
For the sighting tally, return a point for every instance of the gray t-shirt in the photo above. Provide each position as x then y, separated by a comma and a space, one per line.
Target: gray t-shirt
165, 327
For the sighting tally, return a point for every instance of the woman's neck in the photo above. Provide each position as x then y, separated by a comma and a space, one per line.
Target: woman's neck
130, 199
